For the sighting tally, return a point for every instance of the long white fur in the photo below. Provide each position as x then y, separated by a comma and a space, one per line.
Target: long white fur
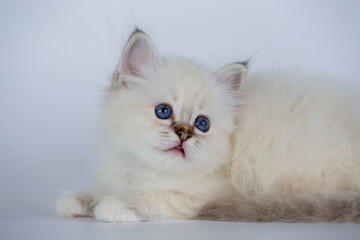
279, 133
297, 133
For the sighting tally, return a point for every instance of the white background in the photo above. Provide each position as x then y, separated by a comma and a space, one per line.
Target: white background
56, 56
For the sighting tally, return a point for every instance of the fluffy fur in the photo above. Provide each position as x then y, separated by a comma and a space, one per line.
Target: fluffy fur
280, 148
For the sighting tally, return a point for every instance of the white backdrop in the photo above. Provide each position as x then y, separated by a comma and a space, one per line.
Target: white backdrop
55, 57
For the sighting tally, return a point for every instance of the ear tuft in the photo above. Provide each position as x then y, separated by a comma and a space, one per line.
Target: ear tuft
137, 30
232, 76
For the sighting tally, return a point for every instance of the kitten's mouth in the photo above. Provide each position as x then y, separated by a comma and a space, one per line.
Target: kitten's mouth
177, 150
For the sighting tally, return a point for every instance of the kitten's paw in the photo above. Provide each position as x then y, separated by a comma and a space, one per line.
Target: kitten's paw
74, 205
115, 211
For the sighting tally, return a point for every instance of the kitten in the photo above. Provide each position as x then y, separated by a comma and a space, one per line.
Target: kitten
177, 141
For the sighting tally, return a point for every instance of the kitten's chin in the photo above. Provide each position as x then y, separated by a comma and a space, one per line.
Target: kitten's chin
177, 152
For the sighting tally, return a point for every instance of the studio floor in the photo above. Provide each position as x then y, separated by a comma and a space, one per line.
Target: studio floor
53, 228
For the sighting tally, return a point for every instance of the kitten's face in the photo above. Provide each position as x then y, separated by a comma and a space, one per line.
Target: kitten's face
171, 113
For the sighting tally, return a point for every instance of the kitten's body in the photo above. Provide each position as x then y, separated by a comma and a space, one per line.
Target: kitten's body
297, 134
279, 149
296, 152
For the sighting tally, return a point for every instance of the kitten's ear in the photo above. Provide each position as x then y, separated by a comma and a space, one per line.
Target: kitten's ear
231, 76
139, 54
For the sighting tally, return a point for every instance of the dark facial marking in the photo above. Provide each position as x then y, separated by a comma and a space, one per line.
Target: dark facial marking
183, 130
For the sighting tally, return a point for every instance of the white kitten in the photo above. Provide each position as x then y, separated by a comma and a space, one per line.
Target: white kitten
179, 142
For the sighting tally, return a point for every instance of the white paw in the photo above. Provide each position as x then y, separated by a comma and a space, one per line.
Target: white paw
115, 211
71, 205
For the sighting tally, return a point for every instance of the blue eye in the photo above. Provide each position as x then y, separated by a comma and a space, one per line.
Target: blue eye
163, 111
202, 123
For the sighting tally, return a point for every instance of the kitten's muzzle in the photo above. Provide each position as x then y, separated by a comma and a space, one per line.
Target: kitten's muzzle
183, 130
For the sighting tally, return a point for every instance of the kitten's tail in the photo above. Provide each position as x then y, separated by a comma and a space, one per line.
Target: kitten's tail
303, 207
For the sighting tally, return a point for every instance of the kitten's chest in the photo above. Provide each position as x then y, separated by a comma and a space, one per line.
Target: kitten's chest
192, 184
144, 180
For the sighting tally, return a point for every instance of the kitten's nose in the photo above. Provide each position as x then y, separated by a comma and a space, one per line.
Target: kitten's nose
183, 130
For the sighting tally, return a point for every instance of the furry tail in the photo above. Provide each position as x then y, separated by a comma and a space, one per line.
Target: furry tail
334, 207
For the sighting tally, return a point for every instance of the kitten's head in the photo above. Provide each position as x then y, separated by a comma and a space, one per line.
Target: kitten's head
171, 113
